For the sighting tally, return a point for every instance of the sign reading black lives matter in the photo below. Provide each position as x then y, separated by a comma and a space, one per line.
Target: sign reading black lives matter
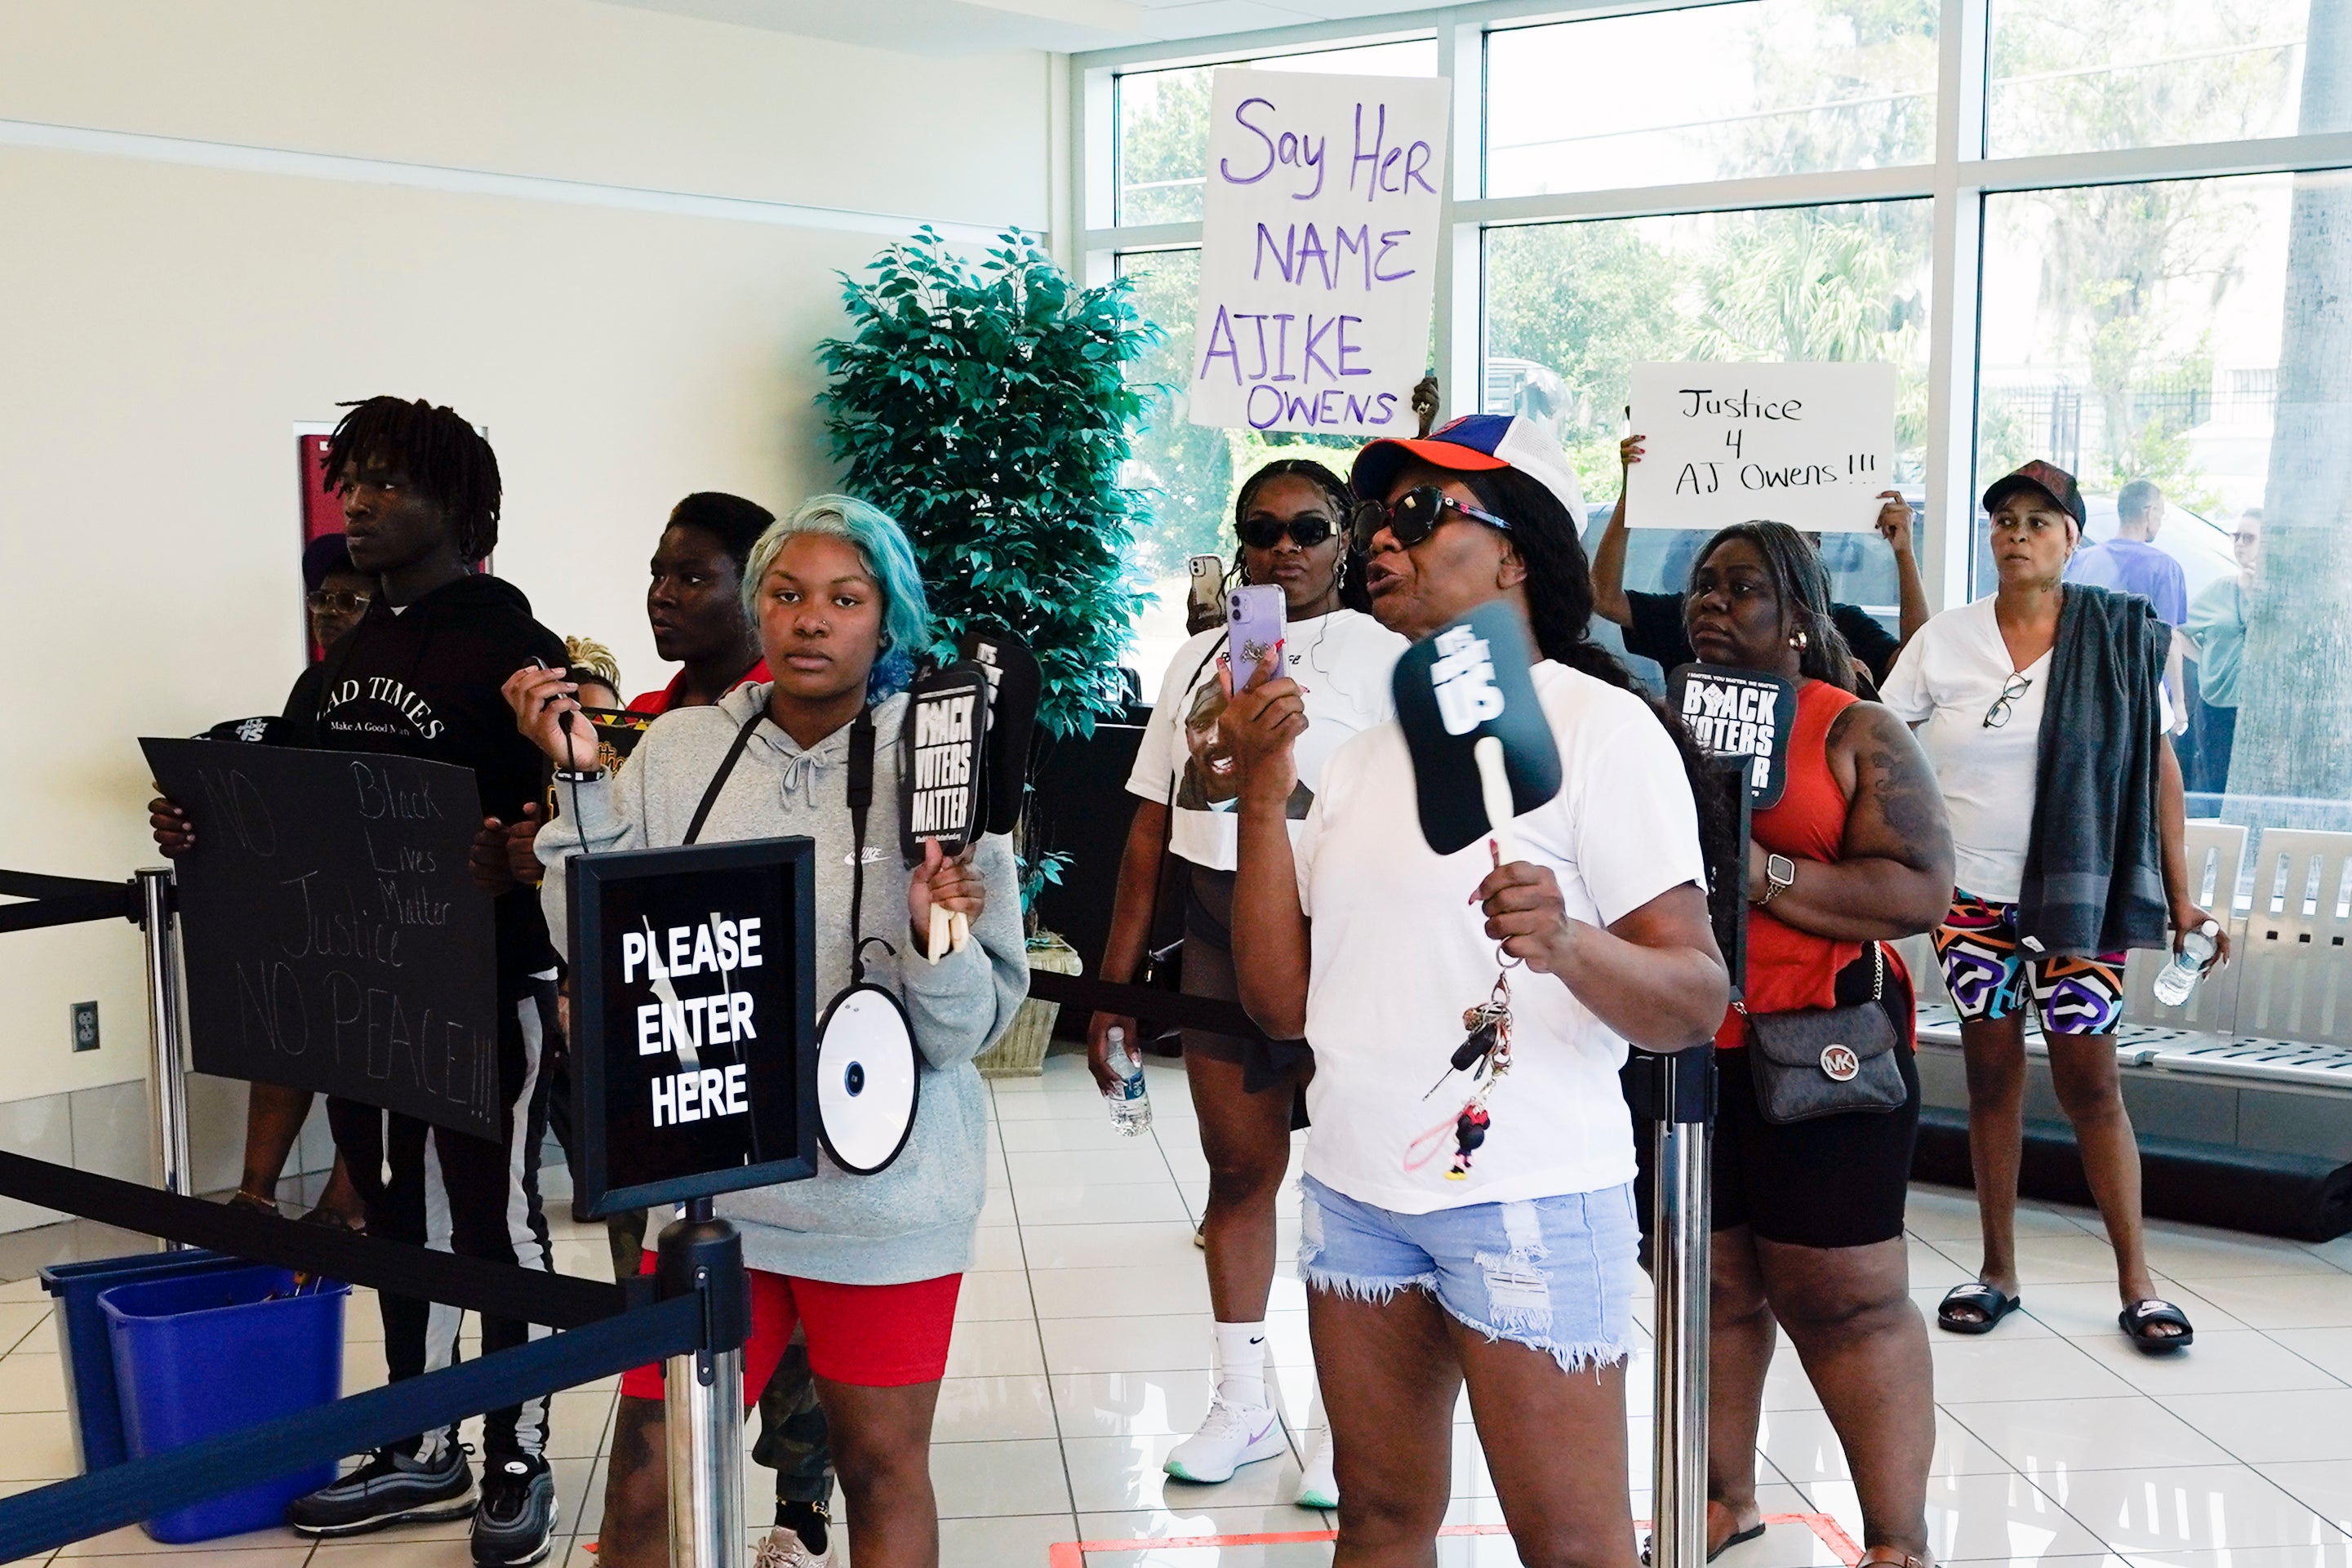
333, 938
693, 996
1740, 713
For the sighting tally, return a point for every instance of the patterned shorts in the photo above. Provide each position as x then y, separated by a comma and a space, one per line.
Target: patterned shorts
1989, 975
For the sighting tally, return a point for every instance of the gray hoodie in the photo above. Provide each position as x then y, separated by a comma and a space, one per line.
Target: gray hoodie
914, 1221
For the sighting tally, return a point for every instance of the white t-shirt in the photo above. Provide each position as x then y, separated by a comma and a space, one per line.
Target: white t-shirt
1399, 951
1948, 677
1343, 662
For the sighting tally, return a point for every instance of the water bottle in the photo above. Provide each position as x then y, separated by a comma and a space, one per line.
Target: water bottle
2179, 977
1130, 1103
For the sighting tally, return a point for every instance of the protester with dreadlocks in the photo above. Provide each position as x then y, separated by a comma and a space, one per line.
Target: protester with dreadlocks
1515, 1273
1291, 517
419, 676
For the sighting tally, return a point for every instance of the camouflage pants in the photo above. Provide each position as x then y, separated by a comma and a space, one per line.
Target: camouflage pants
792, 1430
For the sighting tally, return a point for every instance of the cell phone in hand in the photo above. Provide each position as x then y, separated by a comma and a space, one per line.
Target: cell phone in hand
1254, 618
1205, 604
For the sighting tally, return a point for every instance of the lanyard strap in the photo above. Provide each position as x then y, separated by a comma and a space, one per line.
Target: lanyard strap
861, 800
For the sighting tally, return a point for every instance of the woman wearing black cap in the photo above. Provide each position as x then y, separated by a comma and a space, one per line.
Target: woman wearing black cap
2066, 813
1512, 1271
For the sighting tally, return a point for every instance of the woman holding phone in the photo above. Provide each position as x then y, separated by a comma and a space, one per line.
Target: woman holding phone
869, 1264
1513, 1271
1291, 519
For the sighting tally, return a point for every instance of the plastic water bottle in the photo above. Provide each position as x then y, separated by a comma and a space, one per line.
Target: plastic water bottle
2180, 977
1130, 1103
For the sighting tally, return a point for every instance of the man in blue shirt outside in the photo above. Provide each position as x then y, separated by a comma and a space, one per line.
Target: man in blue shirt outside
2130, 563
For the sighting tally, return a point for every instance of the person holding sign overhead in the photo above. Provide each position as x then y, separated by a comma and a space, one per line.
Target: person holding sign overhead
1654, 622
1818, 1099
1517, 1274
869, 1263
1291, 516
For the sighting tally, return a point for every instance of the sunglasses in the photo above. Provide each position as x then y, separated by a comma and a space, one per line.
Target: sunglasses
2011, 690
341, 600
1306, 531
1413, 517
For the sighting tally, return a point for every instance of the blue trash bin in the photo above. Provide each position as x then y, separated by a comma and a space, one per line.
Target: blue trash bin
84, 1350
198, 1355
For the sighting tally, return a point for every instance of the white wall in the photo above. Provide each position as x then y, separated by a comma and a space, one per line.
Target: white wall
190, 262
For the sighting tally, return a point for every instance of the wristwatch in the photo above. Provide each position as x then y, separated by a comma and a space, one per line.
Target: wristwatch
577, 775
1779, 875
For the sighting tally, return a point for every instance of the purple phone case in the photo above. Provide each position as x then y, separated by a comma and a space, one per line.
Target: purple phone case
1254, 618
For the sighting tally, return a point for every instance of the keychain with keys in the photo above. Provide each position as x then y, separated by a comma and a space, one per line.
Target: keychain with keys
1485, 1053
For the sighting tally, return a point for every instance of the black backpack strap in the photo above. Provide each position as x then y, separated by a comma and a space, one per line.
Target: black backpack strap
861, 800
718, 779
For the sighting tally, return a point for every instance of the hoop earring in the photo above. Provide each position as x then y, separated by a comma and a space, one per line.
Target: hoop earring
1798, 641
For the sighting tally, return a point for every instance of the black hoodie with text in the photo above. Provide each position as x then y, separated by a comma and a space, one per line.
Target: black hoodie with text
423, 681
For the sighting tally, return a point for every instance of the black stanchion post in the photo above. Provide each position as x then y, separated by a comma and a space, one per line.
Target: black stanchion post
167, 1069
703, 1392
1685, 1086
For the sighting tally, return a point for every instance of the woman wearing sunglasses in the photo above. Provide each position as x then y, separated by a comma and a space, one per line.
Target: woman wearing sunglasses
1512, 1271
2042, 709
1291, 516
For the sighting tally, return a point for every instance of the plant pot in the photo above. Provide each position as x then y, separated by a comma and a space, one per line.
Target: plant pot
1020, 1052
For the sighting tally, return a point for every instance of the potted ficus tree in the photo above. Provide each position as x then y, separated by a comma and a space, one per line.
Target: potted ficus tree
985, 404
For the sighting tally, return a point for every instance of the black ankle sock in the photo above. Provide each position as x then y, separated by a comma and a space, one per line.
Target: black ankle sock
806, 1519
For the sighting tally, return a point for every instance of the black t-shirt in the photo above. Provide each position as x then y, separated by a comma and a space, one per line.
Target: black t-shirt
1658, 634
425, 683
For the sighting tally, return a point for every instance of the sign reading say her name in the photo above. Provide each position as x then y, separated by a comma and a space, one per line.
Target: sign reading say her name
1319, 250
333, 935
1740, 713
1810, 446
692, 1008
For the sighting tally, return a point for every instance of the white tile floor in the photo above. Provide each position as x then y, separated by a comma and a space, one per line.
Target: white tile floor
1082, 1348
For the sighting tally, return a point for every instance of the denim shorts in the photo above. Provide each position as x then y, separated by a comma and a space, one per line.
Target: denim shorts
1556, 1273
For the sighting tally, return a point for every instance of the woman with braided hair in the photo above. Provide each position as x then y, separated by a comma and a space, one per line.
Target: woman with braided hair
1291, 518
1513, 1270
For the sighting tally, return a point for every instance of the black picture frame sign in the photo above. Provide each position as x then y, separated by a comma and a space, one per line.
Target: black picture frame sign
693, 1016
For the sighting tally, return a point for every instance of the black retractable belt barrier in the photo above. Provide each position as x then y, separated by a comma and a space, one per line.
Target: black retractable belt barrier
63, 900
495, 1289
54, 1516
1145, 1002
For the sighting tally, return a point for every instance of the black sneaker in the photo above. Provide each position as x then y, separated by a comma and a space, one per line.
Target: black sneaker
390, 1488
516, 1524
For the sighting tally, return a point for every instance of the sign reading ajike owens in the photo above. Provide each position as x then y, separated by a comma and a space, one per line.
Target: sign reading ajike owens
333, 938
1319, 250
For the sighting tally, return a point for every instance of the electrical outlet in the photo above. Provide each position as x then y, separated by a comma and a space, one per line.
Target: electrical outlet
85, 1026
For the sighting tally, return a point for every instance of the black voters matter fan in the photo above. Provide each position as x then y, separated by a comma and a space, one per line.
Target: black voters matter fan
941, 762
1740, 713
1483, 752
1014, 684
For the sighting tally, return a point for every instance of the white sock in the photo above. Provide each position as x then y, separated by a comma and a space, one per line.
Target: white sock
1241, 1363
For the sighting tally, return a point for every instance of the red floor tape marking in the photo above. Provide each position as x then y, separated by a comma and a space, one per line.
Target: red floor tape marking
1073, 1553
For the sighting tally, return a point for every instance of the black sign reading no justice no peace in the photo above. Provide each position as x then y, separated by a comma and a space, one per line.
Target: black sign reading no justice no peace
333, 935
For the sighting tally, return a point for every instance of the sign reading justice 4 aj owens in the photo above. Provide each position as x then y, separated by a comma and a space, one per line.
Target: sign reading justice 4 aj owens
333, 938
1318, 248
694, 1031
1808, 445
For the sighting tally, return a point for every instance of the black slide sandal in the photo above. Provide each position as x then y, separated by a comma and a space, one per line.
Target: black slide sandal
1734, 1539
1989, 1303
2141, 1316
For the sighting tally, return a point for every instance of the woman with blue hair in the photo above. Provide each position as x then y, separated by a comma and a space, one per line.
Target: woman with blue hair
868, 1264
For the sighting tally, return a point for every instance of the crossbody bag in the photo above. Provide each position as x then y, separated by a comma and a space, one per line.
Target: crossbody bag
1827, 1062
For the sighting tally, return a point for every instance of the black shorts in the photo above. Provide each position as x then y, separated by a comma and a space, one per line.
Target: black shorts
1208, 971
1834, 1181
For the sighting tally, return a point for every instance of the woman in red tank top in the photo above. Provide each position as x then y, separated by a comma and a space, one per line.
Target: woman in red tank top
1809, 1214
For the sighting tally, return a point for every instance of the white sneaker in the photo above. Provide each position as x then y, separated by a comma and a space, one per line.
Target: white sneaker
783, 1549
1232, 1436
1319, 1488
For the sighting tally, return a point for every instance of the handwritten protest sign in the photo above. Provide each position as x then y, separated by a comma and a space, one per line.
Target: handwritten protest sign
333, 936
1319, 250
1807, 444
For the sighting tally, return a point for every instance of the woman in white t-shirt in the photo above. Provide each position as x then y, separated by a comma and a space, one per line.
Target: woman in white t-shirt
1977, 683
1513, 1270
1291, 517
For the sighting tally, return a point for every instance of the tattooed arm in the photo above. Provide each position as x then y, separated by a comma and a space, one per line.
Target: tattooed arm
1894, 872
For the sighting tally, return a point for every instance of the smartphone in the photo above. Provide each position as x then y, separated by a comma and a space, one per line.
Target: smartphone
1254, 618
